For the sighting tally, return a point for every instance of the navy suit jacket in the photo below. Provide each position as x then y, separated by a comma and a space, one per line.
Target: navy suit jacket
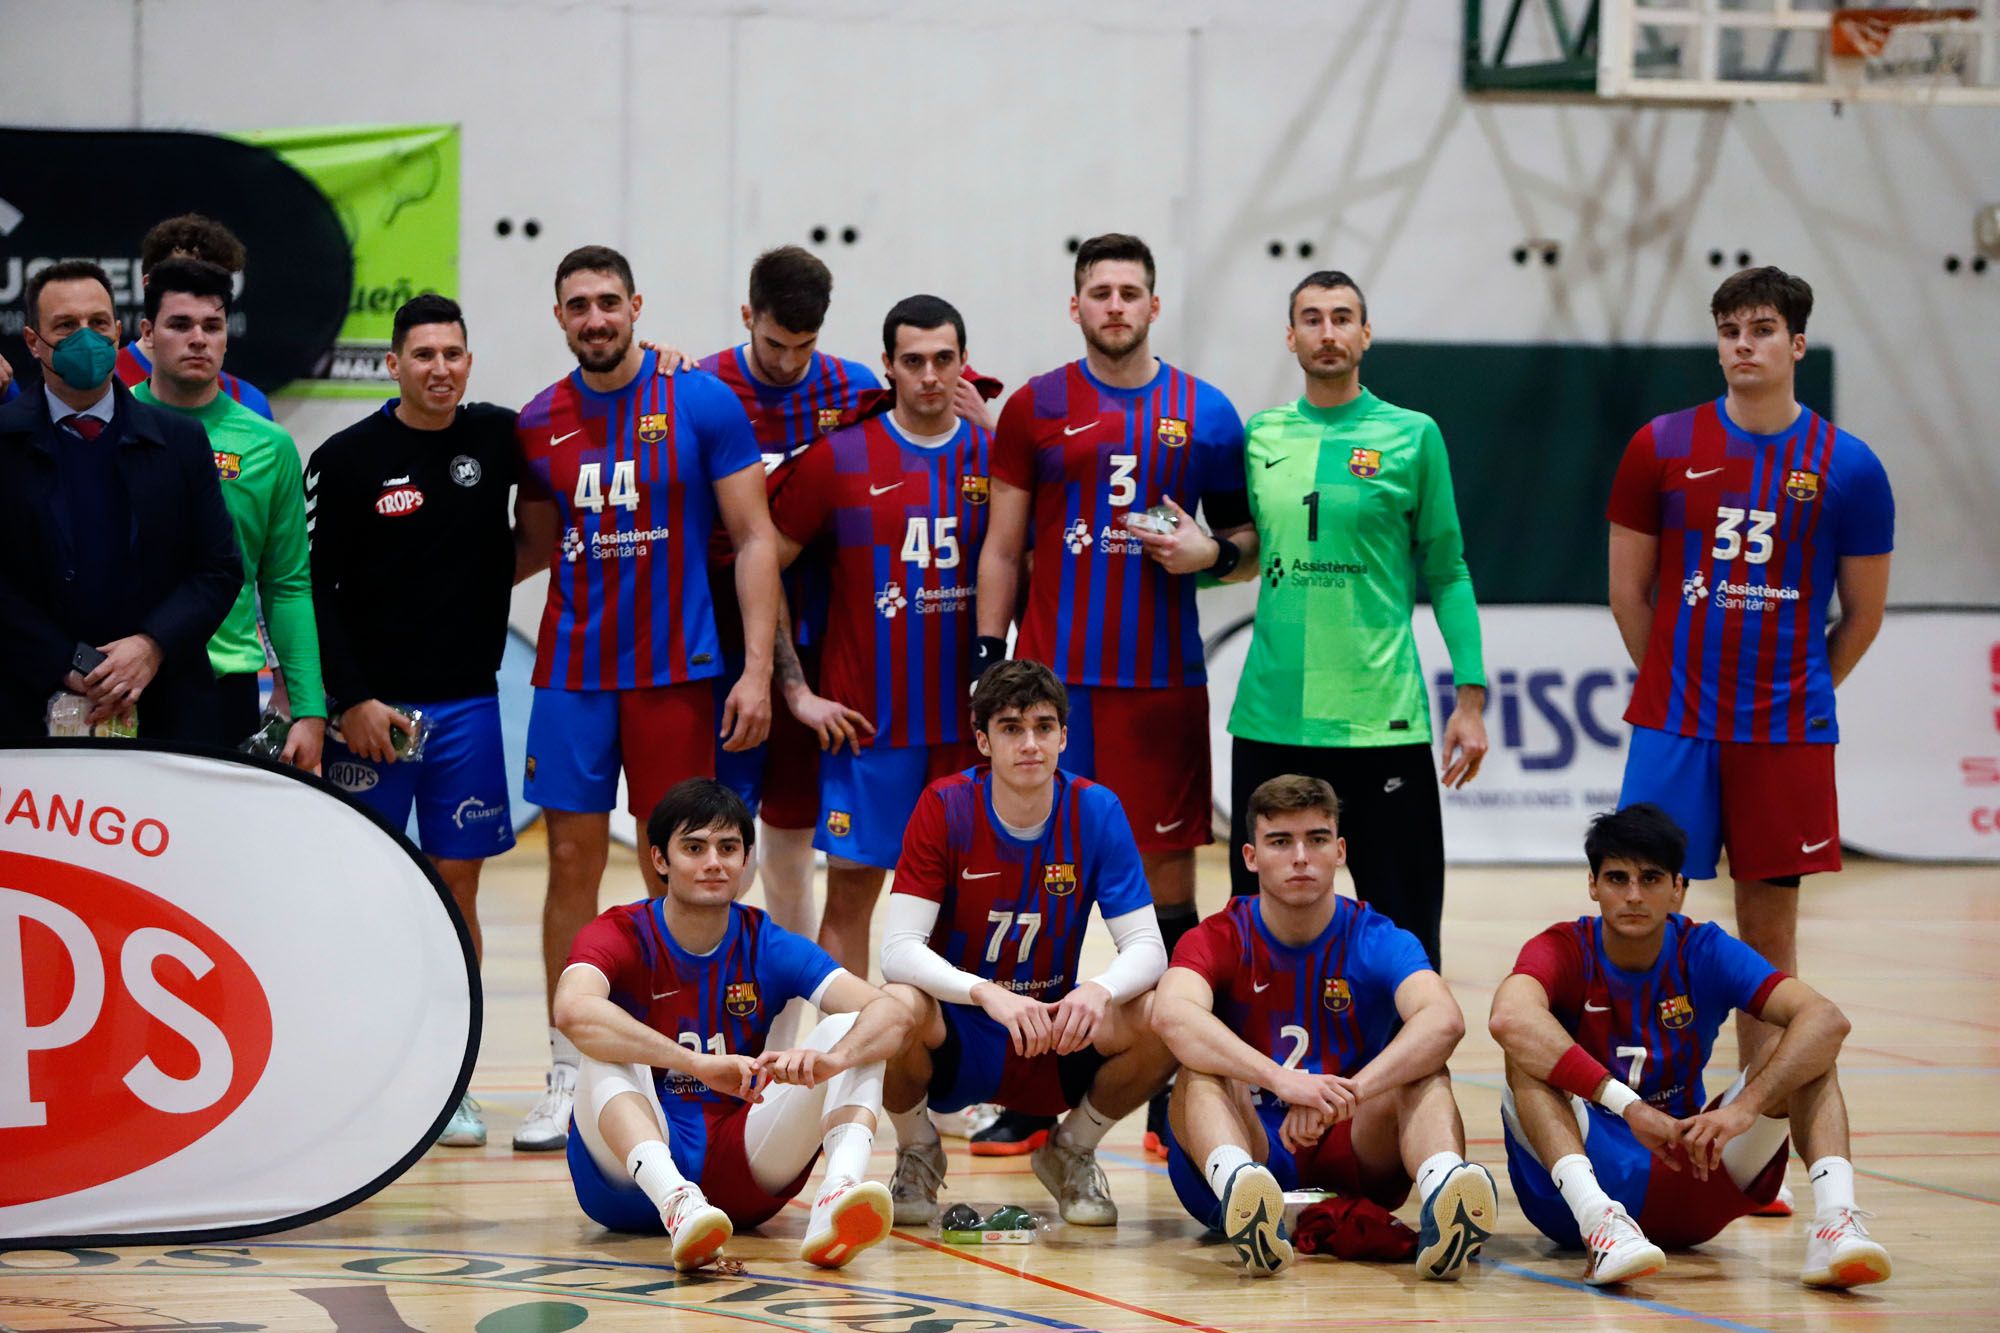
185, 568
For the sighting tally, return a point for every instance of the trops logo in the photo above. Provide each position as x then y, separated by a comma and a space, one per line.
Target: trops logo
128, 1029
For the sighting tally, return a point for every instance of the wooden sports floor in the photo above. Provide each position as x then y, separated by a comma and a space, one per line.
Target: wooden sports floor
491, 1241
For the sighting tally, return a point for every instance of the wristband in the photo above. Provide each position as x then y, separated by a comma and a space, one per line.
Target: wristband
1228, 555
1616, 1097
1578, 1073
988, 651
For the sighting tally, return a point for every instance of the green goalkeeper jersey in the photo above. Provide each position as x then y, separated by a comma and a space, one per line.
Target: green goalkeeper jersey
1351, 504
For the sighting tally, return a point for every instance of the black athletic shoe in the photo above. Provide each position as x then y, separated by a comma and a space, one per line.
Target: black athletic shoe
1012, 1135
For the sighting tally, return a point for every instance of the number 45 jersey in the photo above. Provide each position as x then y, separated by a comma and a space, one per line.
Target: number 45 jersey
1751, 530
632, 475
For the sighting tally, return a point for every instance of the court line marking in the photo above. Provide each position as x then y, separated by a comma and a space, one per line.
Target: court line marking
1934, 1189
958, 1253
1658, 1307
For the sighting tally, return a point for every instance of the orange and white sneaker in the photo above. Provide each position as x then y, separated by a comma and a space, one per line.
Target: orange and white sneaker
1619, 1251
1779, 1206
697, 1228
1839, 1252
847, 1218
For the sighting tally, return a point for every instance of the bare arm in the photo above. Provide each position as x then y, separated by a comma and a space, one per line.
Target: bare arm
1813, 1027
1433, 1025
584, 1013
1634, 558
880, 1028
536, 525
1184, 1017
1000, 557
746, 713
1863, 583
1530, 1034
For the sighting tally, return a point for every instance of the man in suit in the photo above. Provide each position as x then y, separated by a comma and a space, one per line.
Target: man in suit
117, 559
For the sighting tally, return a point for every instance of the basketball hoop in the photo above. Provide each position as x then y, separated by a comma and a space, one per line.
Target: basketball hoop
1908, 47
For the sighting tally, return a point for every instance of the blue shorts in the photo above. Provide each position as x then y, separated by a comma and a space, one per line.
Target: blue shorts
742, 771
977, 1064
1683, 776
578, 740
1329, 1164
459, 787
866, 800
1773, 806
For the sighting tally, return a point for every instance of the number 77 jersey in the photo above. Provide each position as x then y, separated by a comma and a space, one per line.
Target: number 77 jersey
632, 475
1751, 530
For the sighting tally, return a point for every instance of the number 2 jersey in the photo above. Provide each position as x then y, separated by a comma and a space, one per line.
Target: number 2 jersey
1654, 1029
632, 474
1751, 530
1015, 912
1100, 610
1328, 1006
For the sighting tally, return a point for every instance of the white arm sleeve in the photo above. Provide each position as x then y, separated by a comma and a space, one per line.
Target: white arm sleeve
1142, 955
907, 955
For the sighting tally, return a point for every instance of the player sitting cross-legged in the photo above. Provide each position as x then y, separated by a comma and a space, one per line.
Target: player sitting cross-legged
1312, 1035
1000, 867
1626, 1162
669, 1000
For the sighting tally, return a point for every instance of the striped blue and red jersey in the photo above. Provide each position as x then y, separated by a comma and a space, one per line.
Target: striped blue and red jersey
907, 521
1751, 531
719, 1003
135, 367
632, 474
1015, 912
1100, 611
1654, 1029
1327, 1006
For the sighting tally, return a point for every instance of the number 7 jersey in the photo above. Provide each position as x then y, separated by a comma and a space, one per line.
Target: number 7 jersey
1751, 529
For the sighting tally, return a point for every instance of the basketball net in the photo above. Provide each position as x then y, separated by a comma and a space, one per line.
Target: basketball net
1908, 47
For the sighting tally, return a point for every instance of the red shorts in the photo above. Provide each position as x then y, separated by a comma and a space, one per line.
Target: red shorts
1151, 748
578, 740
1331, 1164
791, 772
1773, 806
725, 1173
1681, 1211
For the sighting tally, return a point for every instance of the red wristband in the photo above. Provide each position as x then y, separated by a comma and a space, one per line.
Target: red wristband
1578, 1072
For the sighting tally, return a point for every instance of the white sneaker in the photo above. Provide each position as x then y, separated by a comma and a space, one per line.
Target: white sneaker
697, 1228
847, 1218
1083, 1196
546, 1128
964, 1124
1839, 1252
1455, 1221
1253, 1220
1619, 1251
465, 1129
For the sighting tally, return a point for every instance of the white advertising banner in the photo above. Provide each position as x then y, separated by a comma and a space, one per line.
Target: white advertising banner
230, 999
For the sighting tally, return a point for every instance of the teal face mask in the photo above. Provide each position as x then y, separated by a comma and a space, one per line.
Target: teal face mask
84, 359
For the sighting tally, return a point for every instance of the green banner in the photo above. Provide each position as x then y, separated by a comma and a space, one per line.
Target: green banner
395, 189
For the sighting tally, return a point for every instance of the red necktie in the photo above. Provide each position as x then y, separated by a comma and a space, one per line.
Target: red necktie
88, 427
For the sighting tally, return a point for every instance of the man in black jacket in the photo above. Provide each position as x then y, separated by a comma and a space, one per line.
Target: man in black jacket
117, 559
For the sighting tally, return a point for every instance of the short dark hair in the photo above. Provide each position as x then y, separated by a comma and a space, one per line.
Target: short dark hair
696, 804
1326, 277
792, 286
920, 312
196, 277
1288, 793
1643, 834
1113, 245
1017, 683
595, 259
63, 270
430, 308
193, 235
1751, 288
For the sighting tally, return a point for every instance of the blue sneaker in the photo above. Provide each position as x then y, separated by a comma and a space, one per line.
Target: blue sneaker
1253, 1219
1456, 1220
465, 1129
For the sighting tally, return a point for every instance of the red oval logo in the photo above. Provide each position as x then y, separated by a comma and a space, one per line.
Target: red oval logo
399, 501
136, 1030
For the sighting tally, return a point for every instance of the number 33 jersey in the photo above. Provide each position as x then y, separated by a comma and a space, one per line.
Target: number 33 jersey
632, 475
1751, 530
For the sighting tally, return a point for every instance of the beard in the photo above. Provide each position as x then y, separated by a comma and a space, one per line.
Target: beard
1115, 343
598, 357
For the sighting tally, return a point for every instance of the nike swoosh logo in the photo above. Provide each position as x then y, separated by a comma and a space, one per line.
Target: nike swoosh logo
967, 874
663, 994
1590, 1008
1078, 430
1270, 463
555, 441
1692, 475
1169, 828
1261, 987
884, 490
1816, 1175
1810, 847
1391, 785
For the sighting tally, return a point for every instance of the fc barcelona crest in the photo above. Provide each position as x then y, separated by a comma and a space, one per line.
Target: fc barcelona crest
1060, 879
228, 467
827, 419
1676, 1012
741, 998
1802, 486
837, 823
1173, 432
653, 427
974, 489
1336, 996
1364, 463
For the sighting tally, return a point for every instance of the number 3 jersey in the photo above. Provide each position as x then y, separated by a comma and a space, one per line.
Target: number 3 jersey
632, 474
1010, 911
906, 521
1328, 1006
1653, 1029
1751, 530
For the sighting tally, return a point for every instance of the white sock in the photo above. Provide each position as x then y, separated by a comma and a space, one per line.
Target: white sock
1083, 1128
1832, 1184
1577, 1180
1433, 1171
651, 1166
914, 1127
1222, 1164
847, 1148
562, 1050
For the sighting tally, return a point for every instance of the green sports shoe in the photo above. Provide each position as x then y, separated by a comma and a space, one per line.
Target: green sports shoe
465, 1129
